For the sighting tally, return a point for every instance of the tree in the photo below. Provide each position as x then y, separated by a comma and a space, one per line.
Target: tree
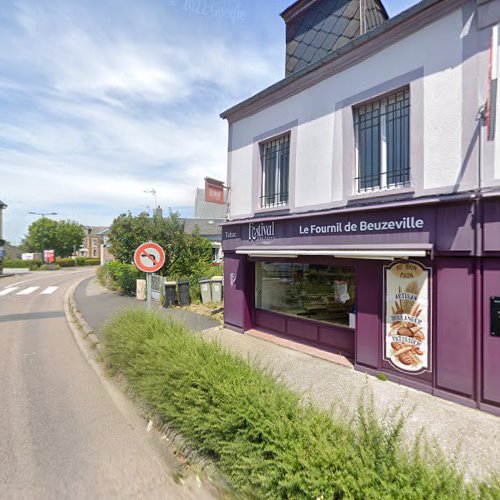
48, 234
186, 255
69, 236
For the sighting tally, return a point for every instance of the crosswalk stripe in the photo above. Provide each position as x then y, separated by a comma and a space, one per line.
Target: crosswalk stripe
28, 290
6, 291
49, 290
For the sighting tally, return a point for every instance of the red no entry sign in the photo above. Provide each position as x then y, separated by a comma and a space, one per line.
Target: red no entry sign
149, 257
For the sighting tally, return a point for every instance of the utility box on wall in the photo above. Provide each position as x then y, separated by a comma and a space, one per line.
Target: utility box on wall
495, 316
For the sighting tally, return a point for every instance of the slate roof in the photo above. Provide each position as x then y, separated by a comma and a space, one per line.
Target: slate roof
398, 21
95, 230
322, 26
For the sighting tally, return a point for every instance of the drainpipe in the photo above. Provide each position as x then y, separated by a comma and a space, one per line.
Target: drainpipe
478, 264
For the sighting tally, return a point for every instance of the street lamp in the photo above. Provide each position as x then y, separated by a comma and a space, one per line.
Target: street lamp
42, 215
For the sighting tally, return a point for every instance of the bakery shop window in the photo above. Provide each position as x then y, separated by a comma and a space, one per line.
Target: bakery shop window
309, 291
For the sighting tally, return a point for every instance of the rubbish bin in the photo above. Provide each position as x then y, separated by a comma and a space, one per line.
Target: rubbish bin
216, 283
184, 299
170, 293
206, 294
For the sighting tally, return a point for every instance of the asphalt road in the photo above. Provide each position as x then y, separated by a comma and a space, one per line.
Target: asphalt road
61, 434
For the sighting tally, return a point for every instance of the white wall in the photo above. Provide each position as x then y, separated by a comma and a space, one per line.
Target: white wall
322, 159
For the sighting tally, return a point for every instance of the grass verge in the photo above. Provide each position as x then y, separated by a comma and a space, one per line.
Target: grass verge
262, 436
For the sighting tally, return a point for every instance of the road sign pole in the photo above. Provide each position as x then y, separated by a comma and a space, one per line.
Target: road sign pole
148, 290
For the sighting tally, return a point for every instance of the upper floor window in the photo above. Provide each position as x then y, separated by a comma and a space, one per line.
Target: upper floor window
275, 172
383, 142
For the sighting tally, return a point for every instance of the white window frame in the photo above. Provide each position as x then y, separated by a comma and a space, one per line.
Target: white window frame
383, 173
276, 201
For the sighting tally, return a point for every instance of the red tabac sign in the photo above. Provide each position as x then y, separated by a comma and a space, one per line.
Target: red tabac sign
214, 192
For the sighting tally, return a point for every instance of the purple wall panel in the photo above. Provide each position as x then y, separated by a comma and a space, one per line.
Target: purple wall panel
491, 345
491, 217
341, 340
270, 321
369, 308
454, 334
448, 227
454, 228
302, 329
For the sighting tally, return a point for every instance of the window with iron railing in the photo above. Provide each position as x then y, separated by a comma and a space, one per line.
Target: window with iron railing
382, 130
275, 172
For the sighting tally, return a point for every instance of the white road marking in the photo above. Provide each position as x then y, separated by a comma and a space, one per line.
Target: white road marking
47, 274
6, 291
49, 290
28, 290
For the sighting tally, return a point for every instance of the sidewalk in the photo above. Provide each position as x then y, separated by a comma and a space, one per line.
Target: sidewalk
98, 304
473, 435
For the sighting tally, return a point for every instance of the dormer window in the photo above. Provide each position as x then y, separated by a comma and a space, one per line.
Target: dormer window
382, 130
275, 155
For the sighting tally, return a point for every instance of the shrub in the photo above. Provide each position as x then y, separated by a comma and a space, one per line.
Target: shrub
269, 443
87, 261
68, 262
91, 261
118, 276
49, 267
21, 264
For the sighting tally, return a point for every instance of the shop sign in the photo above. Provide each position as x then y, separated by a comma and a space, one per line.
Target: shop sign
363, 226
407, 316
214, 193
49, 256
261, 231
231, 235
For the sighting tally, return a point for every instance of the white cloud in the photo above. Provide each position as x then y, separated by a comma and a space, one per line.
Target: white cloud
97, 110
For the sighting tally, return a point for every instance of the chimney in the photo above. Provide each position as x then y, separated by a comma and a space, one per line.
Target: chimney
158, 212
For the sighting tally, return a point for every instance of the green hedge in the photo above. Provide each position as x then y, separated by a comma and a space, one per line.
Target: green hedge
35, 264
118, 276
21, 264
269, 443
79, 261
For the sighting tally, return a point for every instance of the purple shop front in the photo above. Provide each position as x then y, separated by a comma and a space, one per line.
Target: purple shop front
412, 291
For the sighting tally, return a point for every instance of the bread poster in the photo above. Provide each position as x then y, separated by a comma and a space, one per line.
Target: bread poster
407, 325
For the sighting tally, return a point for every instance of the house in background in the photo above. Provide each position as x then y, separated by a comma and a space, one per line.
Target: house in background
209, 229
208, 218
92, 243
365, 194
12, 252
207, 210
106, 255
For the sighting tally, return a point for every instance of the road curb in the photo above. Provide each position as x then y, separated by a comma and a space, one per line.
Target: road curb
77, 323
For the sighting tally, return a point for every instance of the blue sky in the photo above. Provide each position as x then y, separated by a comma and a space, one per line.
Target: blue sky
103, 99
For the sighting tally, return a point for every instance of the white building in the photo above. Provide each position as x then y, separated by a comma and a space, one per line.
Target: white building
373, 166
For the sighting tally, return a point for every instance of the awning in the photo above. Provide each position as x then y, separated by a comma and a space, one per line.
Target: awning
381, 252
